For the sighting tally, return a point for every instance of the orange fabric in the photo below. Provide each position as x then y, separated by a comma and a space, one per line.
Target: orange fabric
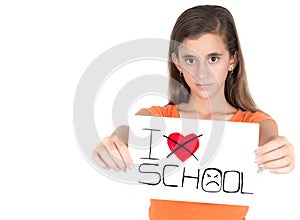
175, 210
239, 116
166, 111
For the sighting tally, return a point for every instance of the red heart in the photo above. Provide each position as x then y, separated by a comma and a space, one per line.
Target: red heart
191, 144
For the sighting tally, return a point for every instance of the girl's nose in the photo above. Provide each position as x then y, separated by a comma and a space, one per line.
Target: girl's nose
203, 70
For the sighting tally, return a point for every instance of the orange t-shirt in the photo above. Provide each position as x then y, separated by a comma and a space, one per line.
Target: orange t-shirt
175, 210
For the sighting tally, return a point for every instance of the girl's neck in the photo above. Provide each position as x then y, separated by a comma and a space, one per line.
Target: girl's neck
205, 108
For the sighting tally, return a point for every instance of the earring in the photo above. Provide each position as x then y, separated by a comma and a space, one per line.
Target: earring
231, 70
180, 74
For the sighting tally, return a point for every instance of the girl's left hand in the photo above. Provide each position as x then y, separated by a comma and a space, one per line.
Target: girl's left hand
277, 155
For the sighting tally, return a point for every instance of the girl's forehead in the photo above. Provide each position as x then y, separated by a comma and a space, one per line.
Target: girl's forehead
204, 44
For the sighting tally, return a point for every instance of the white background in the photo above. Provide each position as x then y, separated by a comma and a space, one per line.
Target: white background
45, 47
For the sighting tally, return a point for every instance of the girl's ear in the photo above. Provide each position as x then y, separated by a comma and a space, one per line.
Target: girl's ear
234, 60
176, 61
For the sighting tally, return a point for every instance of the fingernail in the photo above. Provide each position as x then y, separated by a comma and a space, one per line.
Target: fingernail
256, 152
257, 160
260, 170
130, 166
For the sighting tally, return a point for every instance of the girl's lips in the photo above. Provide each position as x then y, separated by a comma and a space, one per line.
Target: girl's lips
203, 85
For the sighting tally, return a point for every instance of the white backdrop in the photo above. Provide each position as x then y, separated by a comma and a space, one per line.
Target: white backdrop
45, 47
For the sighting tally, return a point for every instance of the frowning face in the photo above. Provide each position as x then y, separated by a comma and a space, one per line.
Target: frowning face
212, 180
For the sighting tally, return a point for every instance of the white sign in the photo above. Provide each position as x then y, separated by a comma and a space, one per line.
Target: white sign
195, 160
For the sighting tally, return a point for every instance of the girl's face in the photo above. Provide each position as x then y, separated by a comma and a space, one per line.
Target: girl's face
204, 63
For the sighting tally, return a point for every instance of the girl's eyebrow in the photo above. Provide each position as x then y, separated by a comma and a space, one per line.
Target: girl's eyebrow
188, 55
214, 54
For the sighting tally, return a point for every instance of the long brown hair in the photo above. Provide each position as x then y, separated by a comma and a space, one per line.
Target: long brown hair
218, 20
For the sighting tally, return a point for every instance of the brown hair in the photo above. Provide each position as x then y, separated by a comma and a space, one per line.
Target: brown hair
210, 19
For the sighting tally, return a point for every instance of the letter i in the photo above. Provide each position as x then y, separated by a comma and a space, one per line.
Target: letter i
150, 144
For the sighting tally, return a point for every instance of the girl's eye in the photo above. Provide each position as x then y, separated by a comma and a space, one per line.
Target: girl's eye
213, 59
190, 60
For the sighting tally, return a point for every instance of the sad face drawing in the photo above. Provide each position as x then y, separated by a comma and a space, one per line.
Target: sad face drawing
212, 180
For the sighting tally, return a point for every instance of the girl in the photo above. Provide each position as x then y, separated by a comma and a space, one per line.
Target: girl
207, 63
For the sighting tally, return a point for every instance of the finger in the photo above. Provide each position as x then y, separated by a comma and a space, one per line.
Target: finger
98, 160
276, 164
106, 157
272, 155
113, 154
282, 170
271, 145
123, 150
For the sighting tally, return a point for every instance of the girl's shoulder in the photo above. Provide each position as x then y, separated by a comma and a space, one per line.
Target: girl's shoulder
164, 111
248, 116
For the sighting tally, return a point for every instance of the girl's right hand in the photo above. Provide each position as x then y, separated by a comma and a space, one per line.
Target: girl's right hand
112, 152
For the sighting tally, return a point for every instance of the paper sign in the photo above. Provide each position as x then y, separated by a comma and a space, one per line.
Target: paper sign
195, 160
